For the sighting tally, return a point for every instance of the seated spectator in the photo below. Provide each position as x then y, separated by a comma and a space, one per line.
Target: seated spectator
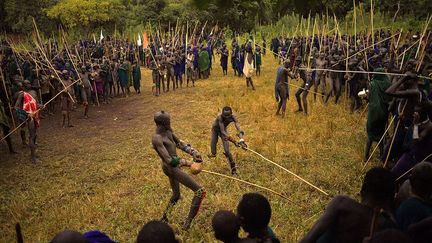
254, 213
226, 227
156, 231
421, 232
346, 220
421, 146
418, 206
69, 236
389, 236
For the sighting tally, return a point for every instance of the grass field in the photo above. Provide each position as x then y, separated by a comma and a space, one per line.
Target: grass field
103, 173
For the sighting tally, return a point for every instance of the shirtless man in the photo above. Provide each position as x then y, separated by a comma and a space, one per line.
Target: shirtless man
334, 78
346, 220
165, 143
303, 91
170, 62
282, 88
85, 89
66, 101
156, 76
405, 88
219, 129
320, 79
190, 72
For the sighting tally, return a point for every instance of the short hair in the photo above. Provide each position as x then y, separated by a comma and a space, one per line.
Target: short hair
379, 184
254, 212
227, 108
69, 236
225, 225
156, 231
421, 179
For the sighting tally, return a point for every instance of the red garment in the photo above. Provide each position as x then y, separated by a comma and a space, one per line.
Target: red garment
30, 106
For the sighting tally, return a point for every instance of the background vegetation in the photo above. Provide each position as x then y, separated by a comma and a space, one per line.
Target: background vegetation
126, 16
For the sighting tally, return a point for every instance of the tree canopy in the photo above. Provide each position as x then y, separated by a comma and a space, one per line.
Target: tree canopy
237, 15
86, 13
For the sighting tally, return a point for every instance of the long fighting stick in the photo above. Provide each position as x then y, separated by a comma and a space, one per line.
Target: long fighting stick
285, 169
49, 101
379, 142
408, 171
248, 183
394, 135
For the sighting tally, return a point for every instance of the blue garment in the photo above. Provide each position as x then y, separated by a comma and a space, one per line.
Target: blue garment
210, 52
196, 57
177, 69
96, 236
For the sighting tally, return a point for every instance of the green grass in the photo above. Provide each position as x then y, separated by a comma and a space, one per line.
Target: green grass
103, 173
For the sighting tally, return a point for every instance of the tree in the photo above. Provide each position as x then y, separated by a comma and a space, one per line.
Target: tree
86, 14
19, 13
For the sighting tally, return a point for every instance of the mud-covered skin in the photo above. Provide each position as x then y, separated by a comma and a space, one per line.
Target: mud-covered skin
219, 130
165, 143
303, 91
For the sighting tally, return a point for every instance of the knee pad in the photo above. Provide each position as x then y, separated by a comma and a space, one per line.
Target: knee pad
200, 193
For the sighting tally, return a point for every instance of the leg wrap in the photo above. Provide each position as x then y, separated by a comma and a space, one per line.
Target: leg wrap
199, 196
173, 201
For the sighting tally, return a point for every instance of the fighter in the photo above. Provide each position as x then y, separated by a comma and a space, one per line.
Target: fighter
219, 129
282, 88
320, 79
303, 91
165, 143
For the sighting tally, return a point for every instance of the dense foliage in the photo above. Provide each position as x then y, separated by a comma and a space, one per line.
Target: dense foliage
238, 15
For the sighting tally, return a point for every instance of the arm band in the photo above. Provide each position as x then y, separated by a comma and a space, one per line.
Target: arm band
175, 161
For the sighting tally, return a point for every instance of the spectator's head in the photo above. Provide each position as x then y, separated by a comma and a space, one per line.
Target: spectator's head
254, 213
421, 180
390, 236
156, 231
226, 226
69, 236
378, 187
